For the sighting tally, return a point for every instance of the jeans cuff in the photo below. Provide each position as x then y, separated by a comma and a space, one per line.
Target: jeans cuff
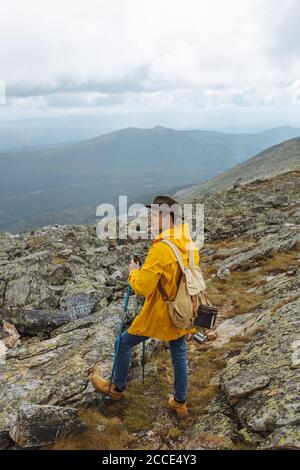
119, 387
179, 401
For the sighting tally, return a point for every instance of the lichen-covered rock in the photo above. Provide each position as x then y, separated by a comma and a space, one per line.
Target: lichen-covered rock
240, 325
236, 386
33, 322
283, 438
2, 290
264, 386
40, 268
54, 371
25, 290
214, 429
283, 241
60, 275
39, 425
5, 440
11, 335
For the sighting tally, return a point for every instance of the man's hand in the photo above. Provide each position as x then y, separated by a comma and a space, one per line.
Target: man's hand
133, 265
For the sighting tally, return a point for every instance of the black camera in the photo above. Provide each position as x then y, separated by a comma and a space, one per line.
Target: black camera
136, 258
206, 316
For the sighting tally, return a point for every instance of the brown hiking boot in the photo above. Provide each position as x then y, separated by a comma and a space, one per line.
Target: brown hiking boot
102, 385
180, 408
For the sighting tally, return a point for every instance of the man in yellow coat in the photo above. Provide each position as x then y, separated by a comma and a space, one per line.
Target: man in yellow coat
153, 321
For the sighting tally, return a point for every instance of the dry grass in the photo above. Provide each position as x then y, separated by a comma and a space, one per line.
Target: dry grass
174, 433
59, 260
227, 243
238, 290
102, 433
281, 262
37, 242
113, 427
284, 302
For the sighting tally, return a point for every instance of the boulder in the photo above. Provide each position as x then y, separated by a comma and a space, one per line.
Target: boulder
238, 386
286, 437
54, 371
60, 275
25, 290
264, 386
214, 429
223, 273
32, 322
39, 425
11, 335
261, 385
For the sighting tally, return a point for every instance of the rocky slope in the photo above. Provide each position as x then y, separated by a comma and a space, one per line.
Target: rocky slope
61, 289
273, 161
258, 398
56, 286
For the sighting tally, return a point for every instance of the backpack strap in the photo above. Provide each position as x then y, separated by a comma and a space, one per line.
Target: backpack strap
162, 291
178, 255
181, 264
176, 252
191, 258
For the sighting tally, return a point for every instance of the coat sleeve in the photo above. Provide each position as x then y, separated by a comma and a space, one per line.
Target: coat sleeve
144, 280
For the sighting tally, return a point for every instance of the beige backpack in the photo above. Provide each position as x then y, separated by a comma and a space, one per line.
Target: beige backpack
191, 293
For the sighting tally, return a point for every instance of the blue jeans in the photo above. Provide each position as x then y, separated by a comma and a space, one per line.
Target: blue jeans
178, 356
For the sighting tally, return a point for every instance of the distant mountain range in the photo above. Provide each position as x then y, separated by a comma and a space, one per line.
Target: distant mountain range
274, 161
34, 132
64, 183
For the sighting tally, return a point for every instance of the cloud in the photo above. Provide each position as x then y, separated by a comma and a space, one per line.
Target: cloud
136, 54
283, 36
68, 84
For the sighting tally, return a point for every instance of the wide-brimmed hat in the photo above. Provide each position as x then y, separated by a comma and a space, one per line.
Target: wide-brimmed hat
166, 205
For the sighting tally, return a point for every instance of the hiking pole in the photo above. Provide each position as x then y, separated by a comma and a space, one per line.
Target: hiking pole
143, 361
107, 398
137, 259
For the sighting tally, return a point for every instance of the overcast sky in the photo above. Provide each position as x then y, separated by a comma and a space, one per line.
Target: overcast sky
188, 62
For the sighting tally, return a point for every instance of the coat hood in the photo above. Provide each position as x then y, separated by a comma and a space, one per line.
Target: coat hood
180, 236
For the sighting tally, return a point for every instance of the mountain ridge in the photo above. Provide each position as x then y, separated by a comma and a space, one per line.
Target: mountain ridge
131, 161
282, 157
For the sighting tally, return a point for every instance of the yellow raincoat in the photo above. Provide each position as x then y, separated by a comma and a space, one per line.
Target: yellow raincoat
153, 320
